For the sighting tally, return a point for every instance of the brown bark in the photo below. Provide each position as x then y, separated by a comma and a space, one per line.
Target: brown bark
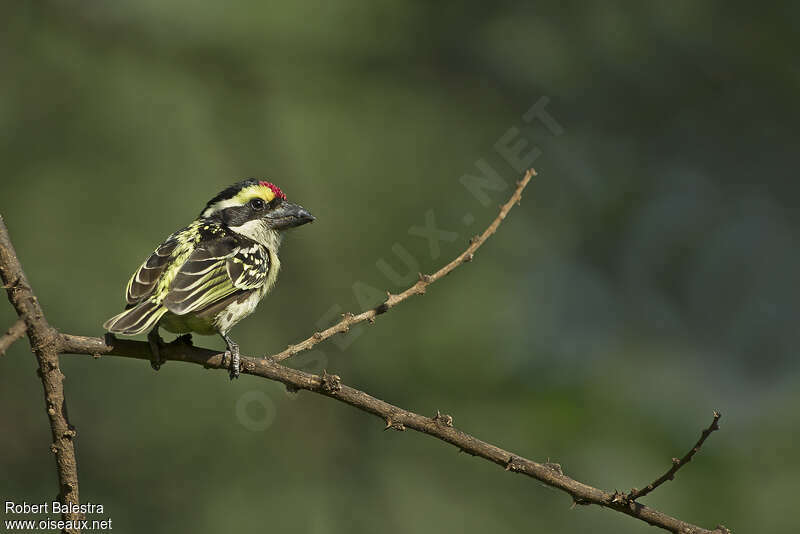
439, 426
44, 341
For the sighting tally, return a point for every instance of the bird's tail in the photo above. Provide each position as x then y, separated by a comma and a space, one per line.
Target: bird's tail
136, 320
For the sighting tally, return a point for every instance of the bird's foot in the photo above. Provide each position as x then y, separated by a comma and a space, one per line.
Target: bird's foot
231, 352
235, 362
155, 349
235, 365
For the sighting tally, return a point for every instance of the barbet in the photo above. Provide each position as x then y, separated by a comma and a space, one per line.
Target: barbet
212, 274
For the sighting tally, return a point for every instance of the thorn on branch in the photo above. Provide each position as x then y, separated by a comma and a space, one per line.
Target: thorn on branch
556, 468
468, 258
317, 336
394, 425
443, 419
514, 464
426, 278
330, 383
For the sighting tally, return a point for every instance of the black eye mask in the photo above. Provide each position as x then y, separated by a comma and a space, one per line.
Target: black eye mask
238, 215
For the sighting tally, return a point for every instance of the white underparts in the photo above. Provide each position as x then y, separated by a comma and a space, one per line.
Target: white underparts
233, 313
258, 231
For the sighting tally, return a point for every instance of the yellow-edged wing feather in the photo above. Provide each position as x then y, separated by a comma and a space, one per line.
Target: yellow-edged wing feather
214, 273
184, 277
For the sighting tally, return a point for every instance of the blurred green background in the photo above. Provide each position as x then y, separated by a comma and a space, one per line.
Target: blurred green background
649, 276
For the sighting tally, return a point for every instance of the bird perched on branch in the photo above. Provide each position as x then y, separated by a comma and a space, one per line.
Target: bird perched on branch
212, 274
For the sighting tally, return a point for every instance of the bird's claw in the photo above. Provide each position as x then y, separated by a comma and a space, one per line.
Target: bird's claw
234, 366
231, 351
235, 363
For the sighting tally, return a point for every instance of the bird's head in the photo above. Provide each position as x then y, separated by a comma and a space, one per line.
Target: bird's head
256, 209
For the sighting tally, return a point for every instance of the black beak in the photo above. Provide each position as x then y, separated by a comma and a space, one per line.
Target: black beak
288, 215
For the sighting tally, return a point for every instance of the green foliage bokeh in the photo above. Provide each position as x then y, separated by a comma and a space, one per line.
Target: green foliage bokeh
648, 277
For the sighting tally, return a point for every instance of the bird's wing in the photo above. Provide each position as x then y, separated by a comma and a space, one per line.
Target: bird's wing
214, 272
145, 279
248, 267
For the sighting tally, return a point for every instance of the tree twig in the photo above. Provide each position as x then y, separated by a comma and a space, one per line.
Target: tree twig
45, 344
439, 426
16, 331
417, 289
677, 463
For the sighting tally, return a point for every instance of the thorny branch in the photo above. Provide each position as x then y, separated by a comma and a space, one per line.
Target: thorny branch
49, 343
677, 463
16, 331
439, 426
417, 289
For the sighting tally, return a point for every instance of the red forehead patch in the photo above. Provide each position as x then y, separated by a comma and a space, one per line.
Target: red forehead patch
275, 189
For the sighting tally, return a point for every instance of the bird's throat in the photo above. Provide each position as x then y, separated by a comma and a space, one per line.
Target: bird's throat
258, 231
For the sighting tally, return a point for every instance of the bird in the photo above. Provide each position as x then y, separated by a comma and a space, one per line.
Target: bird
213, 273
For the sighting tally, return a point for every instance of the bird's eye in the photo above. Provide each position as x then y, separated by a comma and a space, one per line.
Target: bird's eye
257, 204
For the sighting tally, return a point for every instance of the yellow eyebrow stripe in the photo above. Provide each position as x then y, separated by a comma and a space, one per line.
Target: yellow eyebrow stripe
254, 191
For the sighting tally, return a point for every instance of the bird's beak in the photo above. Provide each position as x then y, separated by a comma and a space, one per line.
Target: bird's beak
288, 215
